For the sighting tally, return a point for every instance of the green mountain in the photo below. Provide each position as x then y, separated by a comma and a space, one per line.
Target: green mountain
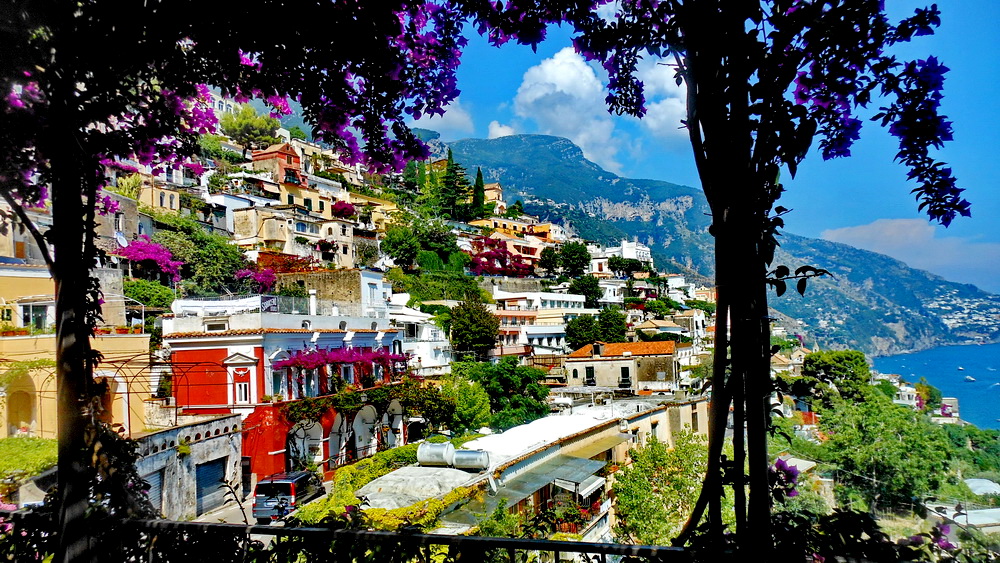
872, 302
554, 180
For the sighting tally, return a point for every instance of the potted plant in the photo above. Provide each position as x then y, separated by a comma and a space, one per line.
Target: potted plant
121, 329
136, 329
6, 329
100, 331
22, 331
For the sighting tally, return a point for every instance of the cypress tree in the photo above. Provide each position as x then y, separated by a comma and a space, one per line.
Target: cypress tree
478, 196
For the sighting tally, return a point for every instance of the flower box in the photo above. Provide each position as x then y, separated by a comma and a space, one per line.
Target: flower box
121, 330
102, 331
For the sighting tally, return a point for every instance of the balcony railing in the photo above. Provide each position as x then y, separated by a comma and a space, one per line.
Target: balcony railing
172, 541
254, 303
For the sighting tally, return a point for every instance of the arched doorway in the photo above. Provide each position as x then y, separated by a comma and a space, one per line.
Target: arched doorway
365, 435
416, 429
392, 424
304, 446
115, 403
20, 413
340, 438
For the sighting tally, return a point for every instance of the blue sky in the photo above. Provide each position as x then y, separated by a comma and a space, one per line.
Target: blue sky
863, 200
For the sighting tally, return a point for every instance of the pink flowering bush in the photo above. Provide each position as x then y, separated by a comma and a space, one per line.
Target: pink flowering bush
263, 280
343, 210
143, 250
312, 359
493, 258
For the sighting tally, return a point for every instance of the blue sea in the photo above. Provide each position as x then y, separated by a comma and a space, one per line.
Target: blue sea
979, 400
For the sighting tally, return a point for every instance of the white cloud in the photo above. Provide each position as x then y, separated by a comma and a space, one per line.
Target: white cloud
917, 242
455, 123
564, 97
609, 11
666, 102
498, 129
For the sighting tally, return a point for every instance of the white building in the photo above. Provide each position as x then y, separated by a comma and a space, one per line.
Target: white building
423, 341
538, 319
599, 256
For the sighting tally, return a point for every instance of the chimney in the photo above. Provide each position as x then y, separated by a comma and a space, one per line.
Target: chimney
312, 302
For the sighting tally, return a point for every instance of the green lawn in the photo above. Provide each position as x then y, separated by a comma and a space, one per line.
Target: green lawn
23, 457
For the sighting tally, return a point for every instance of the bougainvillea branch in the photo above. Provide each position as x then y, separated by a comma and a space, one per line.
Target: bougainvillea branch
263, 279
143, 250
764, 80
88, 83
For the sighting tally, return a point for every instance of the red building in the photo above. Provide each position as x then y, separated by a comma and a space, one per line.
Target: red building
234, 356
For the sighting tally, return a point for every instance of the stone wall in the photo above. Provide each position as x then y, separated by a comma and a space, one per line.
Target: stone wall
333, 285
113, 309
211, 440
513, 285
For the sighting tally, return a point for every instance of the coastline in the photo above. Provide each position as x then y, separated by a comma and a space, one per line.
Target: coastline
873, 355
946, 367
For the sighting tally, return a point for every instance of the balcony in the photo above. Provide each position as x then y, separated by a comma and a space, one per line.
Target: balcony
174, 541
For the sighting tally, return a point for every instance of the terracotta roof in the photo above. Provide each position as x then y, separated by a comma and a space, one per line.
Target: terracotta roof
655, 323
251, 331
278, 147
619, 349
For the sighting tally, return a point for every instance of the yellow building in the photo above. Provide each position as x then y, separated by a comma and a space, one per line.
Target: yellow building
494, 195
29, 407
161, 197
381, 210
28, 399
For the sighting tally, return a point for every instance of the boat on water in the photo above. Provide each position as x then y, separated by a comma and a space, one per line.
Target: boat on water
970, 378
960, 368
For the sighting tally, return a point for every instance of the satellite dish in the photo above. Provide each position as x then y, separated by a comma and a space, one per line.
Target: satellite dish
114, 259
121, 240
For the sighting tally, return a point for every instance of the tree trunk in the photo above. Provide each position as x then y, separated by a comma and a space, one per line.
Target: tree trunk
70, 271
741, 275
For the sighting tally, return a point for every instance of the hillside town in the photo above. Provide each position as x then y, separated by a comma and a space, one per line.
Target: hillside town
414, 341
318, 310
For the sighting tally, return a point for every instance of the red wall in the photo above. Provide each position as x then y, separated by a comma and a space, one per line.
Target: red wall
265, 430
199, 377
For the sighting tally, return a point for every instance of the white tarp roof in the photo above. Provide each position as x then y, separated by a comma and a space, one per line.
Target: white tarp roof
983, 486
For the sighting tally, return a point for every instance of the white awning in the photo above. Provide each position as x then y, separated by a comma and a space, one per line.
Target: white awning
592, 484
586, 487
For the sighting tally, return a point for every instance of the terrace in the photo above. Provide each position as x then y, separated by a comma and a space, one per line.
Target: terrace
173, 541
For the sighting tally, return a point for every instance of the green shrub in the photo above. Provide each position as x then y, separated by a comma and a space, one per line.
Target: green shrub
149, 293
23, 457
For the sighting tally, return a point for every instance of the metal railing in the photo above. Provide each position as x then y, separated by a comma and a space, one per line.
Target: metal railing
169, 541
282, 304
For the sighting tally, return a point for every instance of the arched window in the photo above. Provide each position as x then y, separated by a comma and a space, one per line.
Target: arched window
172, 201
163, 198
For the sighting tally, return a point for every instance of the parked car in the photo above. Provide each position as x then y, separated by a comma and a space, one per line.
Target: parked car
275, 496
